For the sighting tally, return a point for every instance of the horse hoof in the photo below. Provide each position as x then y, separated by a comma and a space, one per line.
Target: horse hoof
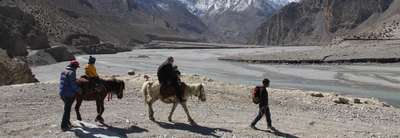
80, 119
170, 120
152, 119
101, 120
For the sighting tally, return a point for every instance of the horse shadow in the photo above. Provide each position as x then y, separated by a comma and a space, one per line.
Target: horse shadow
202, 130
85, 131
278, 133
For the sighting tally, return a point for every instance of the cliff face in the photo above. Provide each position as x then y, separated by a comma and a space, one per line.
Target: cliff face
316, 22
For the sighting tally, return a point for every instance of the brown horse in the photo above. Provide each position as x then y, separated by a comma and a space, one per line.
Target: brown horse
108, 86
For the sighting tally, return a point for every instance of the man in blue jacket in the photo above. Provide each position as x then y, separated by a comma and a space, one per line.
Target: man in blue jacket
68, 90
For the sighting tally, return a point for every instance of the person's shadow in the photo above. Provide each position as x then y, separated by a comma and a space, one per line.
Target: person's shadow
278, 133
83, 131
202, 130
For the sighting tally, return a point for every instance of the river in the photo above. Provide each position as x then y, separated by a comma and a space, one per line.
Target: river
380, 81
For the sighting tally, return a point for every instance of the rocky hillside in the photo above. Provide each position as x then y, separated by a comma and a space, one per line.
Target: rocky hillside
233, 21
316, 22
14, 71
129, 22
19, 31
119, 22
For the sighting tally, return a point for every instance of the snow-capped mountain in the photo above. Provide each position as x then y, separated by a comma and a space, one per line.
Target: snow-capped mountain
231, 21
211, 7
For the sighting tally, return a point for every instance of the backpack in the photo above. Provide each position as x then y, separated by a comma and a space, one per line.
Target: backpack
256, 95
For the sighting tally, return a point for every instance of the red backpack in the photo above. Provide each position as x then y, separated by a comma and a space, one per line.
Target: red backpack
256, 94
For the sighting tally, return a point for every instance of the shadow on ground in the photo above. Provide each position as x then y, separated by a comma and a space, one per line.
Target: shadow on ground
278, 133
202, 130
86, 130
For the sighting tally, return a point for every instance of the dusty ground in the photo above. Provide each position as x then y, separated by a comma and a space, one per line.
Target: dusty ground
34, 110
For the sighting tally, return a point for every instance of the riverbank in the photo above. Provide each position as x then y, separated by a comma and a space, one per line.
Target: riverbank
34, 110
355, 52
157, 44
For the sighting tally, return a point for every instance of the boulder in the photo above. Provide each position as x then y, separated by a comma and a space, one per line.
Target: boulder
342, 100
386, 105
104, 48
317, 95
14, 71
357, 101
40, 57
131, 73
60, 53
81, 40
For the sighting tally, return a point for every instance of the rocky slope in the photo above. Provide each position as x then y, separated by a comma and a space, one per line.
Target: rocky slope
19, 31
316, 22
119, 22
14, 71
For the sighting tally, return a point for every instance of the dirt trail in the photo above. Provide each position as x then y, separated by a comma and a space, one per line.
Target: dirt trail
34, 110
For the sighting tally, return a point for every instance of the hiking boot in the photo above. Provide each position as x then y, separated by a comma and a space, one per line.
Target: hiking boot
271, 128
66, 128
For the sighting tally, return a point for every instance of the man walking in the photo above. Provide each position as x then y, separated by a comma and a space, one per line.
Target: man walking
262, 94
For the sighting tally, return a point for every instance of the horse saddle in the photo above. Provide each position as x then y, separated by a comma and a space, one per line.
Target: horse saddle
169, 91
88, 85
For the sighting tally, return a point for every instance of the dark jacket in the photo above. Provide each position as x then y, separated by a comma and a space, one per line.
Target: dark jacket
263, 96
166, 72
68, 86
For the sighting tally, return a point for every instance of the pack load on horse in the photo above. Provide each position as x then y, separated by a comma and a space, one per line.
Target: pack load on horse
152, 93
169, 79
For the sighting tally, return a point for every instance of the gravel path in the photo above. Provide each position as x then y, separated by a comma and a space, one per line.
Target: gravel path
34, 110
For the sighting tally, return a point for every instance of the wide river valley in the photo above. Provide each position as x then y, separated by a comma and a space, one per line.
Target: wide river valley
380, 81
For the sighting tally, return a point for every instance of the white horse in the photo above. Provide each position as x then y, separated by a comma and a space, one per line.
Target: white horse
151, 92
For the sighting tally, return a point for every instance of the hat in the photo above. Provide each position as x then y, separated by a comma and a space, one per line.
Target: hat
74, 63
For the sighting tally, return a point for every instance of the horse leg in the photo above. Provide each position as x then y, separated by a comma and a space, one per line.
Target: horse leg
191, 121
100, 110
77, 106
151, 112
172, 111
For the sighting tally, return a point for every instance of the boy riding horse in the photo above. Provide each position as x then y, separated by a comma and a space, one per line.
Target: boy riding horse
91, 73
